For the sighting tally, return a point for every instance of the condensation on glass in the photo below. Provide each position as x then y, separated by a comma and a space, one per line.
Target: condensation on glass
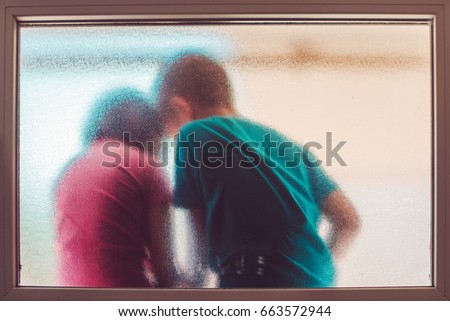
367, 85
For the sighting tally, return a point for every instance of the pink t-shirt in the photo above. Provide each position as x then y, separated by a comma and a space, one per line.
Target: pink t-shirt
103, 202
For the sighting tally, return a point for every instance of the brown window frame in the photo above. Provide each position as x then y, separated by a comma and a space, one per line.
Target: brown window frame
14, 12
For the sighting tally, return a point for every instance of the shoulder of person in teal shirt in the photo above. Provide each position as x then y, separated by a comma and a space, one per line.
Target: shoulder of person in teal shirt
226, 130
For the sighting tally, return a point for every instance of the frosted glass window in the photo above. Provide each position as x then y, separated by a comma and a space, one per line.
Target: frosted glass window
367, 85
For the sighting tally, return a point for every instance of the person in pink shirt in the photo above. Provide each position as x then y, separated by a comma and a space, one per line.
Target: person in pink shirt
111, 204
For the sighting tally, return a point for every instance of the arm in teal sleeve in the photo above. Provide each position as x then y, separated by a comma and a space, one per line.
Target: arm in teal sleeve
322, 184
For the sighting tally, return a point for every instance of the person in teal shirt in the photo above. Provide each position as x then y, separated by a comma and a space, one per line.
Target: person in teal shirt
256, 196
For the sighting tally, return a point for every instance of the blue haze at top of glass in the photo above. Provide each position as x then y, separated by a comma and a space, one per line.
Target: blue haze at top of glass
145, 42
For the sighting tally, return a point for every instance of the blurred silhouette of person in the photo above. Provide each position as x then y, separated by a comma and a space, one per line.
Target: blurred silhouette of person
111, 204
255, 196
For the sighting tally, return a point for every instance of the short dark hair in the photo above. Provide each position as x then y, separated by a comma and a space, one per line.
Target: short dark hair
122, 110
197, 78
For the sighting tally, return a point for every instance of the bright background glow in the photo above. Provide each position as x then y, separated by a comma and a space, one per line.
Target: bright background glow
369, 85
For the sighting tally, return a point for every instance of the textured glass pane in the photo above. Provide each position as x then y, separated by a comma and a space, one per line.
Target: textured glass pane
363, 87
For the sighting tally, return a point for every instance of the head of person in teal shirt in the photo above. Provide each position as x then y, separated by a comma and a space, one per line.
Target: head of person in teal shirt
256, 197
193, 87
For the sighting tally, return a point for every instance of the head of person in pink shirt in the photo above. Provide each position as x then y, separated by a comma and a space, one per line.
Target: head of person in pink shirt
111, 202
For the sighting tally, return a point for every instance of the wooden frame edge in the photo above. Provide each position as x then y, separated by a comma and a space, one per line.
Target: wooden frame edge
332, 294
447, 144
62, 3
3, 242
8, 165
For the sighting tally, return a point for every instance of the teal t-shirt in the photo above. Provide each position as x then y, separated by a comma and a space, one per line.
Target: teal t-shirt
260, 192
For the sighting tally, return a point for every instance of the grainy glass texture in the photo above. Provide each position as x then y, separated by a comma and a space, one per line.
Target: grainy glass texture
367, 84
